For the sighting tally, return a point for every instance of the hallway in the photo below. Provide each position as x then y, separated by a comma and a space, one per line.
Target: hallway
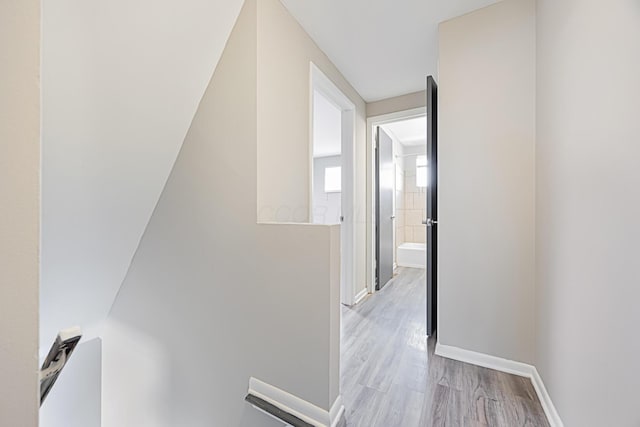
391, 376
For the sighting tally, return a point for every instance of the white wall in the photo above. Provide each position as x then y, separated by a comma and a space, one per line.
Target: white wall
212, 297
76, 399
284, 166
486, 182
121, 83
327, 207
19, 211
588, 208
327, 126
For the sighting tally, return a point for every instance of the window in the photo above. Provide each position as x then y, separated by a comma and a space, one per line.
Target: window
333, 180
421, 172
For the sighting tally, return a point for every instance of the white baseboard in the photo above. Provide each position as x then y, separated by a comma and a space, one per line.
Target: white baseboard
508, 366
306, 411
363, 293
336, 412
485, 360
545, 400
409, 265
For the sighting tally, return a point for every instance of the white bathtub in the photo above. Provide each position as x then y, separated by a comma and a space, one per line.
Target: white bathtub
412, 255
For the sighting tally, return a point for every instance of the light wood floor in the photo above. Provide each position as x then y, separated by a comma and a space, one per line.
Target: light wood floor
391, 377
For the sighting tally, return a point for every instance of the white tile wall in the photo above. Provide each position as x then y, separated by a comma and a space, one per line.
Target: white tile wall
399, 208
413, 210
410, 204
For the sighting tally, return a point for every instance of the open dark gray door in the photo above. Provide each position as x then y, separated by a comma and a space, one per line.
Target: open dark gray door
432, 205
384, 208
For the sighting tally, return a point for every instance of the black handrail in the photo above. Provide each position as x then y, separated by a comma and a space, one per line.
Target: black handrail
61, 350
273, 410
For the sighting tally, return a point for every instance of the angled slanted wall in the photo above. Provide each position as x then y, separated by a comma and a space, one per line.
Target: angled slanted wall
121, 82
212, 298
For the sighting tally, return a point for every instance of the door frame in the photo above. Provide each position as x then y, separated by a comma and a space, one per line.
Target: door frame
372, 123
432, 206
321, 83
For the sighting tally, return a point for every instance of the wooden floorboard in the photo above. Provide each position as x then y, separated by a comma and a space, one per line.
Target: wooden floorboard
391, 377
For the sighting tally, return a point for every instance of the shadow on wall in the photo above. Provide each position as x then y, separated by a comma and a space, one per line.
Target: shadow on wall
147, 370
143, 369
76, 399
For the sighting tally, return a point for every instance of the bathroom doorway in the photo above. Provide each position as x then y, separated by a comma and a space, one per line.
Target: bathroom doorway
401, 183
413, 210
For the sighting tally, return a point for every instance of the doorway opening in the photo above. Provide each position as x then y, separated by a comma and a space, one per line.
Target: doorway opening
332, 192
398, 194
402, 187
401, 162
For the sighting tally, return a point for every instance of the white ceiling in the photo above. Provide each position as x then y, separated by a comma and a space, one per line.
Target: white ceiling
384, 48
121, 82
326, 127
411, 132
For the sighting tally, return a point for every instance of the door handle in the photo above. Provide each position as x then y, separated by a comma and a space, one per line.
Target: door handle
393, 217
430, 222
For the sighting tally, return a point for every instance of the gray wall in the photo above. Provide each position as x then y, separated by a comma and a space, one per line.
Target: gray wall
588, 207
487, 183
76, 400
397, 103
19, 211
213, 298
284, 164
326, 206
